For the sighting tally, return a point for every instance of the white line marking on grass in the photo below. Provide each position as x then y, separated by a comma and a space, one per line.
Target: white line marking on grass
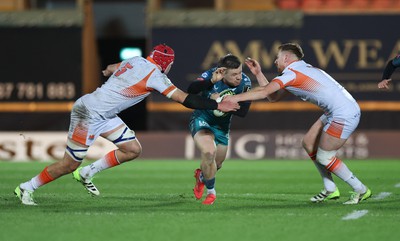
355, 215
382, 195
397, 185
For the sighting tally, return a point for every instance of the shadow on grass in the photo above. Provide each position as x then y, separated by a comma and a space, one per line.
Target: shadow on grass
184, 202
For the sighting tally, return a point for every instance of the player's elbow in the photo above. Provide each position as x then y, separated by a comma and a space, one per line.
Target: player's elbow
276, 96
272, 98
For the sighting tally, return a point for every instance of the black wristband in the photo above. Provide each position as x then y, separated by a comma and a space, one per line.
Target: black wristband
197, 102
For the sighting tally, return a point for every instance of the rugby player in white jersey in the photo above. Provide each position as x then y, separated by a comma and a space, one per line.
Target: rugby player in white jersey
95, 115
330, 132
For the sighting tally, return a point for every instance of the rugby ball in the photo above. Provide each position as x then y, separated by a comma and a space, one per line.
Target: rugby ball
224, 93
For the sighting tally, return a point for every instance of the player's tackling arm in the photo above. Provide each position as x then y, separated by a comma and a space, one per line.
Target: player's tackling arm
193, 101
388, 71
205, 84
384, 84
258, 93
111, 68
255, 69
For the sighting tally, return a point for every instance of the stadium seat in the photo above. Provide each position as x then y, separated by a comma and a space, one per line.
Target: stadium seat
335, 4
289, 4
312, 4
395, 5
358, 4
381, 4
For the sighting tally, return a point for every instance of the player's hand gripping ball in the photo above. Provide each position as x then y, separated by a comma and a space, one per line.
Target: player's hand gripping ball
224, 93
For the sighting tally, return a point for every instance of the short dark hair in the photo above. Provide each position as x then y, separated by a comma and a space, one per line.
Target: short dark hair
229, 61
293, 48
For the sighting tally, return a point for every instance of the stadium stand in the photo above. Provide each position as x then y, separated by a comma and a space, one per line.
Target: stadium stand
289, 4
341, 5
338, 4
311, 4
236, 5
381, 4
359, 4
266, 5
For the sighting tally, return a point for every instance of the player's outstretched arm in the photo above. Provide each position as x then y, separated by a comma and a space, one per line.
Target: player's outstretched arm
200, 85
388, 71
258, 93
255, 69
111, 68
384, 84
193, 101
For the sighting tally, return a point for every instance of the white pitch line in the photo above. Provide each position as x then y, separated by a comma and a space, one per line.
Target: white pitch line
382, 195
397, 185
355, 215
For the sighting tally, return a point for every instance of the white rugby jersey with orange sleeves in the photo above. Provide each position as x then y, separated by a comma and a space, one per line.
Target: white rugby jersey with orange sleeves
314, 85
134, 80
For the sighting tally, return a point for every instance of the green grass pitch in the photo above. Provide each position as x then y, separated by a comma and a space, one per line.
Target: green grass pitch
152, 200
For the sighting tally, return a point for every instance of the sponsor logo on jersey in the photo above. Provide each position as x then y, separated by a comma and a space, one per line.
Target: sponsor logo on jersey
203, 123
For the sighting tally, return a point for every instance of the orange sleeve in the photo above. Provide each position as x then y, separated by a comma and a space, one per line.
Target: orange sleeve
279, 82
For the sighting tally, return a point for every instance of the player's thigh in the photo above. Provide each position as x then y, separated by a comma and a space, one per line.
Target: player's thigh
311, 138
330, 143
204, 140
337, 130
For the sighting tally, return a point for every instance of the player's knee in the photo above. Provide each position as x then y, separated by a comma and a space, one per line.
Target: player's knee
209, 155
132, 149
308, 146
136, 150
76, 152
325, 157
122, 135
66, 166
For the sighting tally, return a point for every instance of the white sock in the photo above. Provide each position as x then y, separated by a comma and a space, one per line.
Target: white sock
31, 185
344, 173
90, 170
327, 179
356, 184
107, 161
211, 191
